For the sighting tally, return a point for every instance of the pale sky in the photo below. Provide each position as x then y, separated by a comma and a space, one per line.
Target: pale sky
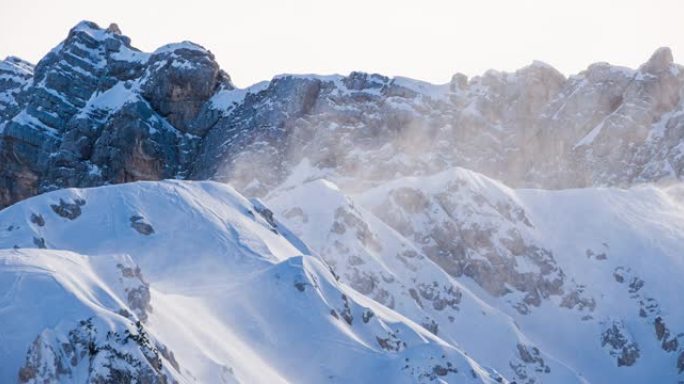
254, 40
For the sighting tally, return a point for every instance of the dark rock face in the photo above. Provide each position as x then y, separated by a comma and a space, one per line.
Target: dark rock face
669, 344
138, 223
137, 291
61, 85
179, 79
39, 242
261, 126
620, 345
14, 75
37, 219
530, 361
267, 214
95, 110
68, 210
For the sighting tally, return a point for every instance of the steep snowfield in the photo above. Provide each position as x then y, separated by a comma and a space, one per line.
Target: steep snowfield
193, 282
588, 277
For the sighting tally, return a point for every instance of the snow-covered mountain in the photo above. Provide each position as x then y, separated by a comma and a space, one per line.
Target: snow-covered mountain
543, 286
191, 282
452, 277
513, 227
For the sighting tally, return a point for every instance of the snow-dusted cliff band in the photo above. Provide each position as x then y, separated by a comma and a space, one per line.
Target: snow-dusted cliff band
96, 111
509, 228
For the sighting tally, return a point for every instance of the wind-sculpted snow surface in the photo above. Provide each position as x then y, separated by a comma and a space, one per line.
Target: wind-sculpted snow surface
219, 291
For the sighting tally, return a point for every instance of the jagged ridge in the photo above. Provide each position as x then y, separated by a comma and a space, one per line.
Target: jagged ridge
97, 111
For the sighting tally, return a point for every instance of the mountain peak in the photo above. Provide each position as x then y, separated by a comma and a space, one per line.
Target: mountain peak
97, 33
541, 69
114, 28
659, 61
17, 64
86, 26
183, 45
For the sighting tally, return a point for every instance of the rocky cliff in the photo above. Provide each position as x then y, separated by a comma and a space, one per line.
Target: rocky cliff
95, 111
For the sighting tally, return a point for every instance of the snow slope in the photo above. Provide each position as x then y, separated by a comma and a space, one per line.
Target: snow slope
379, 262
206, 283
587, 278
452, 277
59, 308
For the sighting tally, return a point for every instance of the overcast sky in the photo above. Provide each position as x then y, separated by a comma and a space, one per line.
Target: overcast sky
254, 40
